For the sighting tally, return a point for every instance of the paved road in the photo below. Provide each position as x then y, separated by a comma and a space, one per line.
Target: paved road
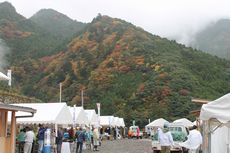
124, 146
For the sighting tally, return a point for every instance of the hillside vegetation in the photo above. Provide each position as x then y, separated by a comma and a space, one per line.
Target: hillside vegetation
131, 72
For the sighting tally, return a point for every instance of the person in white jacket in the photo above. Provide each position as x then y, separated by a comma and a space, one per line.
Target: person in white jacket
194, 140
165, 139
29, 137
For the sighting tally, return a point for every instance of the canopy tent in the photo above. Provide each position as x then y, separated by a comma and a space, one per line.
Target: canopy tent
106, 121
121, 122
79, 116
157, 123
3, 76
92, 116
216, 118
47, 113
115, 122
183, 121
218, 109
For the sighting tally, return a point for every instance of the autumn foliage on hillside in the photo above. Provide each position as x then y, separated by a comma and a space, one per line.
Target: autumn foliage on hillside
131, 72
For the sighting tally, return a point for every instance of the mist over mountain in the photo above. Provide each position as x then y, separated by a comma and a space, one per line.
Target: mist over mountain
131, 72
57, 23
4, 50
215, 39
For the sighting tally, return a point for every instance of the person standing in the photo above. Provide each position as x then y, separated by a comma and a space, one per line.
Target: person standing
34, 141
138, 132
194, 140
95, 139
41, 135
53, 142
59, 140
80, 135
29, 137
21, 140
165, 139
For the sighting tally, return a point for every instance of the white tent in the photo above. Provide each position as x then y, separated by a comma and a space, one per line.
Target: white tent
215, 116
79, 115
47, 113
183, 121
92, 116
121, 122
157, 123
115, 122
3, 76
106, 120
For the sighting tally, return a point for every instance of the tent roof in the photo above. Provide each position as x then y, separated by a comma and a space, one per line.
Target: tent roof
106, 120
184, 121
157, 123
80, 115
92, 116
3, 76
121, 122
47, 113
217, 109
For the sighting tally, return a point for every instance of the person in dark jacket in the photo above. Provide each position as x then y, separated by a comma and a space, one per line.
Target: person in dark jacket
59, 140
41, 134
80, 135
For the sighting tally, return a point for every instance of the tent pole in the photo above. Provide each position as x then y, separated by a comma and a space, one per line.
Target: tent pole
209, 137
205, 137
56, 129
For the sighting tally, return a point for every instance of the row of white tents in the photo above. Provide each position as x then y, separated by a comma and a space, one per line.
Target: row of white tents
160, 122
215, 119
60, 114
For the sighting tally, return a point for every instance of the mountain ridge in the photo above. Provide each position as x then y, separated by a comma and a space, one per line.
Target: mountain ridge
131, 72
57, 23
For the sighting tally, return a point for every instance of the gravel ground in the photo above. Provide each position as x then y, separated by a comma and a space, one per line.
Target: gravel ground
124, 146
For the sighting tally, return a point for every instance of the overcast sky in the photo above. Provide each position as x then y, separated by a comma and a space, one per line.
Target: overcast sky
178, 19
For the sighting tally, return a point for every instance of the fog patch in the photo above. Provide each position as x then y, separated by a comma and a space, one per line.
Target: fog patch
4, 50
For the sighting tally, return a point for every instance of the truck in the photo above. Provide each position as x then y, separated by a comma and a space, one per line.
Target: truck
132, 133
179, 134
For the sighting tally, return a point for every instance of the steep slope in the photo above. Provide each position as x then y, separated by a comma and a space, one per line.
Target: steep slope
25, 38
8, 12
132, 73
57, 23
215, 39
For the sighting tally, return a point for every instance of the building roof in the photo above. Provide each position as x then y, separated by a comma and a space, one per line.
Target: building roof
201, 101
17, 108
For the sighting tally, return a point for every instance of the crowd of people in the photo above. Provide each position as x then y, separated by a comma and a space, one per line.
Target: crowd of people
32, 139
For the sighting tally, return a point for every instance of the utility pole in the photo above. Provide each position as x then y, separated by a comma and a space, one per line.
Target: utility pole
82, 98
99, 112
60, 92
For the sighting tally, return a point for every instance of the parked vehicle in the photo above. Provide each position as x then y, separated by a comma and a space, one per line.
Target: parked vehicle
179, 134
134, 132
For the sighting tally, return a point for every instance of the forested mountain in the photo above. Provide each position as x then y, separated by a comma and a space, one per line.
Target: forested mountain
215, 39
131, 72
57, 23
8, 12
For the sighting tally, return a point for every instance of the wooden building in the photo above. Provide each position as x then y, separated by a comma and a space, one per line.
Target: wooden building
8, 130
